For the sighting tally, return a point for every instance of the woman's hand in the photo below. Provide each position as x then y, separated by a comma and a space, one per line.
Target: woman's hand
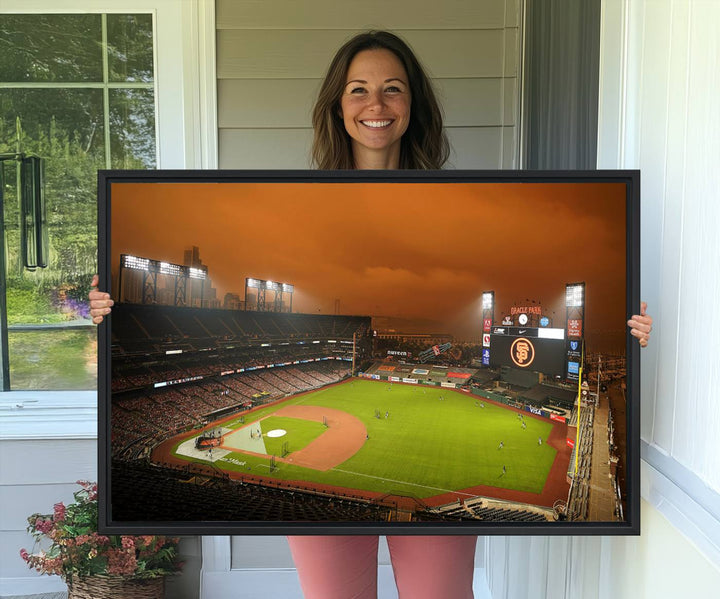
641, 325
100, 302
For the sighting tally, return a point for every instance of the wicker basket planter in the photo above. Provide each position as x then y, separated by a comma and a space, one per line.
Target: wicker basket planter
116, 587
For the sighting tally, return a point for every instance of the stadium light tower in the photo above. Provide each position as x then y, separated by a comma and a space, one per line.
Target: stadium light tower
488, 314
575, 328
150, 271
262, 287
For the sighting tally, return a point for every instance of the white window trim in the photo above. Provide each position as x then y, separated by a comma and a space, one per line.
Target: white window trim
690, 505
679, 494
185, 79
186, 122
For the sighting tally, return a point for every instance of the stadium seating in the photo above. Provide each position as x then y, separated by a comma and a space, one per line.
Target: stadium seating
144, 492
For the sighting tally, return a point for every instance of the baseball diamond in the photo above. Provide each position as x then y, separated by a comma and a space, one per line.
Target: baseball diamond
437, 451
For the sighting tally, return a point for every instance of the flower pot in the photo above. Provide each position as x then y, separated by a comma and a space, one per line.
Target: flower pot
116, 587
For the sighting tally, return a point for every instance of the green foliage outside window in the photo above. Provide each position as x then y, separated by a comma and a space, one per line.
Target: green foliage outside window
81, 89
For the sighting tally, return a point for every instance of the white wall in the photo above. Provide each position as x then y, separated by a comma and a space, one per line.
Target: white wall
659, 90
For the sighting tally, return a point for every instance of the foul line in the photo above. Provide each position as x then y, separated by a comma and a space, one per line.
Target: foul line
401, 482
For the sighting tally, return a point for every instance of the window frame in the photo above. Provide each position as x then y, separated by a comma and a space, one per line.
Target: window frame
186, 137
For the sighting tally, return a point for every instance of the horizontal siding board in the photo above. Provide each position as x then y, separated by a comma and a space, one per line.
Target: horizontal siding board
510, 106
510, 145
331, 14
512, 52
252, 54
471, 147
512, 13
264, 148
51, 461
11, 564
19, 501
471, 102
274, 103
261, 103
474, 147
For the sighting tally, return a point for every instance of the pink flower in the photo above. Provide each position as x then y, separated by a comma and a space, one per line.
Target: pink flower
121, 562
128, 543
24, 555
59, 512
44, 526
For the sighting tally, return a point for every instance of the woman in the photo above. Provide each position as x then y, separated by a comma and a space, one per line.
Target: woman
377, 110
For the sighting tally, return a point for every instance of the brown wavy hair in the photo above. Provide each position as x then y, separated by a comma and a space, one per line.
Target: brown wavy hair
424, 144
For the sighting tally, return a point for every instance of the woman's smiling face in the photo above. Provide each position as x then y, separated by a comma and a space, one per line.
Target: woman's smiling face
375, 105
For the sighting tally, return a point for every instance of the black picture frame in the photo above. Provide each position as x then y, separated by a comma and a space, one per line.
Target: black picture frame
119, 491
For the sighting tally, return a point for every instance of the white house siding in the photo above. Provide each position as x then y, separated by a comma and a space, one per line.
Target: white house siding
271, 58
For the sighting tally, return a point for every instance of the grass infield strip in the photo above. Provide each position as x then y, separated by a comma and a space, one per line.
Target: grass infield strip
299, 433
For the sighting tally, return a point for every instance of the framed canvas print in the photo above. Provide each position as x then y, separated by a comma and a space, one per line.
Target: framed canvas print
386, 352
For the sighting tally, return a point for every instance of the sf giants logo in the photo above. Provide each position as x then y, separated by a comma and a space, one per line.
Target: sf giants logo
522, 352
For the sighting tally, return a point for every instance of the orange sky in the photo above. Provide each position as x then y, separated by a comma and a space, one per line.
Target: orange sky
418, 250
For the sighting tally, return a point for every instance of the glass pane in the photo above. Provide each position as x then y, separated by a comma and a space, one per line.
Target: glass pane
49, 117
132, 128
65, 127
54, 359
50, 48
52, 343
130, 47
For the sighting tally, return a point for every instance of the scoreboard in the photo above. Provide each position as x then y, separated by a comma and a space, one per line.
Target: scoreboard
529, 348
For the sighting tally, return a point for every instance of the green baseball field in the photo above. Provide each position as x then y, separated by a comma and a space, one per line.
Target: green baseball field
386, 438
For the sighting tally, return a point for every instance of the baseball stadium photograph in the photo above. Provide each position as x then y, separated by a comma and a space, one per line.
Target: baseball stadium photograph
367, 352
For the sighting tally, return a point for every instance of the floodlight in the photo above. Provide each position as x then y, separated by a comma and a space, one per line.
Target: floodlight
170, 269
196, 273
487, 300
135, 263
574, 295
287, 288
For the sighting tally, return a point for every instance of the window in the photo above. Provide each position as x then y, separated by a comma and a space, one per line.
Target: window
78, 91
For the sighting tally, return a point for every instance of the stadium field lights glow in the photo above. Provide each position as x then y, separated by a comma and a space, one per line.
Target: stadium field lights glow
574, 295
162, 267
271, 285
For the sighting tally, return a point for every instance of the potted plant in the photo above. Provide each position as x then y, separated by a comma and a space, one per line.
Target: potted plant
95, 566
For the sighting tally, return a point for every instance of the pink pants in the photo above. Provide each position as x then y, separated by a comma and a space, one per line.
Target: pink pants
346, 567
